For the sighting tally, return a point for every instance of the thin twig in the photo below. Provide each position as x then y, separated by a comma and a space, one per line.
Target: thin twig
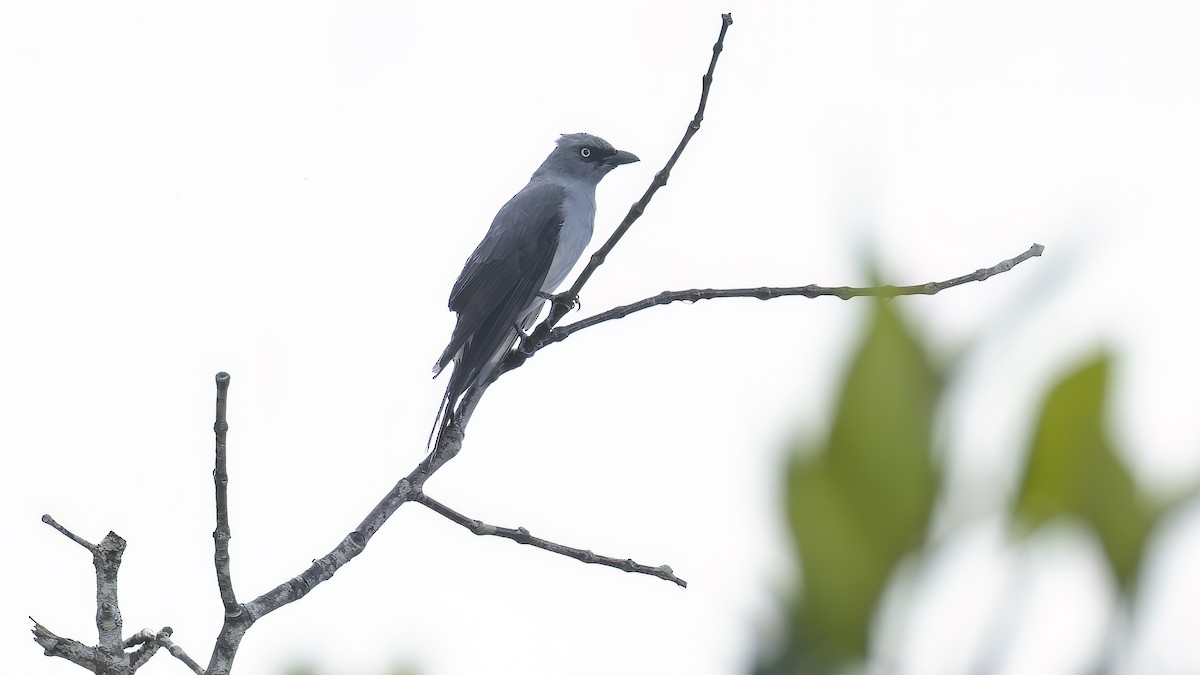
149, 647
660, 178
565, 301
141, 637
237, 619
522, 536
177, 651
69, 534
153, 641
770, 293
222, 533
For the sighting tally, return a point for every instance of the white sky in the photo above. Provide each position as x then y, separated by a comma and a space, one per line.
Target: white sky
286, 191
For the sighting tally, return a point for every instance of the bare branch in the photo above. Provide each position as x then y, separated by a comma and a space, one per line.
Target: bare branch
522, 536
237, 620
565, 301
149, 647
770, 293
152, 642
69, 534
107, 560
108, 655
354, 543
177, 651
72, 650
222, 533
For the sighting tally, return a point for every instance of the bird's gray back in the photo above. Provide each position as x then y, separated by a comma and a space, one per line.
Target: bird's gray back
511, 247
503, 275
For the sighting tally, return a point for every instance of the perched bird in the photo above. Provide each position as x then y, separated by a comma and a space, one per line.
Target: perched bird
534, 241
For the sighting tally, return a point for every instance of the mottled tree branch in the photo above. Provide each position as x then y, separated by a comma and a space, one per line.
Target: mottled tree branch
110, 656
151, 642
72, 650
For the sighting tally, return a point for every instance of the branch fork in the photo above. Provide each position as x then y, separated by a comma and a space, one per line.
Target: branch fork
111, 655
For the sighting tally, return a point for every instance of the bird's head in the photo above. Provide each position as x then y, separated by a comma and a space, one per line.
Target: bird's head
584, 156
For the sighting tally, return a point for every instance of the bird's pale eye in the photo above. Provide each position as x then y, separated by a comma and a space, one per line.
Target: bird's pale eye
585, 152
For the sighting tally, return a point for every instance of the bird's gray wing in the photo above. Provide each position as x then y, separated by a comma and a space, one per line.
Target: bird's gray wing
501, 279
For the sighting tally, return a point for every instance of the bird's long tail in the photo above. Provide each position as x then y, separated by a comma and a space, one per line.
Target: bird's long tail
440, 423
473, 364
459, 383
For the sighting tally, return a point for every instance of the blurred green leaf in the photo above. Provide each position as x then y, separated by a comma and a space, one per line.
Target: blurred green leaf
1073, 471
861, 501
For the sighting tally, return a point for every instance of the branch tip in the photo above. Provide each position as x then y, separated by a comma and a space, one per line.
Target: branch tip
47, 519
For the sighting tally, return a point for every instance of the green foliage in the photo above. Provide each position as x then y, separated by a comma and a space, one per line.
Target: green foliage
1072, 471
860, 501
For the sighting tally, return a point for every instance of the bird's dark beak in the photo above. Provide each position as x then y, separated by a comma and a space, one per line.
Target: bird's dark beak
623, 157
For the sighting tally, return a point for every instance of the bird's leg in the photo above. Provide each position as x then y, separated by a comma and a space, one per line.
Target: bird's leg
565, 298
522, 337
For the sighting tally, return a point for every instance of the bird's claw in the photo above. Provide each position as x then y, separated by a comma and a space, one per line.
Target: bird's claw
570, 301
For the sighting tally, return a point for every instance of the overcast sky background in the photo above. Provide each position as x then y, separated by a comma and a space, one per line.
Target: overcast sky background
286, 191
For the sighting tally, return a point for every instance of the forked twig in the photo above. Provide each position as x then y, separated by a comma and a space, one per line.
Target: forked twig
110, 656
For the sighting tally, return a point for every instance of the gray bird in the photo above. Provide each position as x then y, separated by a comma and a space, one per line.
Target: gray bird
534, 241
